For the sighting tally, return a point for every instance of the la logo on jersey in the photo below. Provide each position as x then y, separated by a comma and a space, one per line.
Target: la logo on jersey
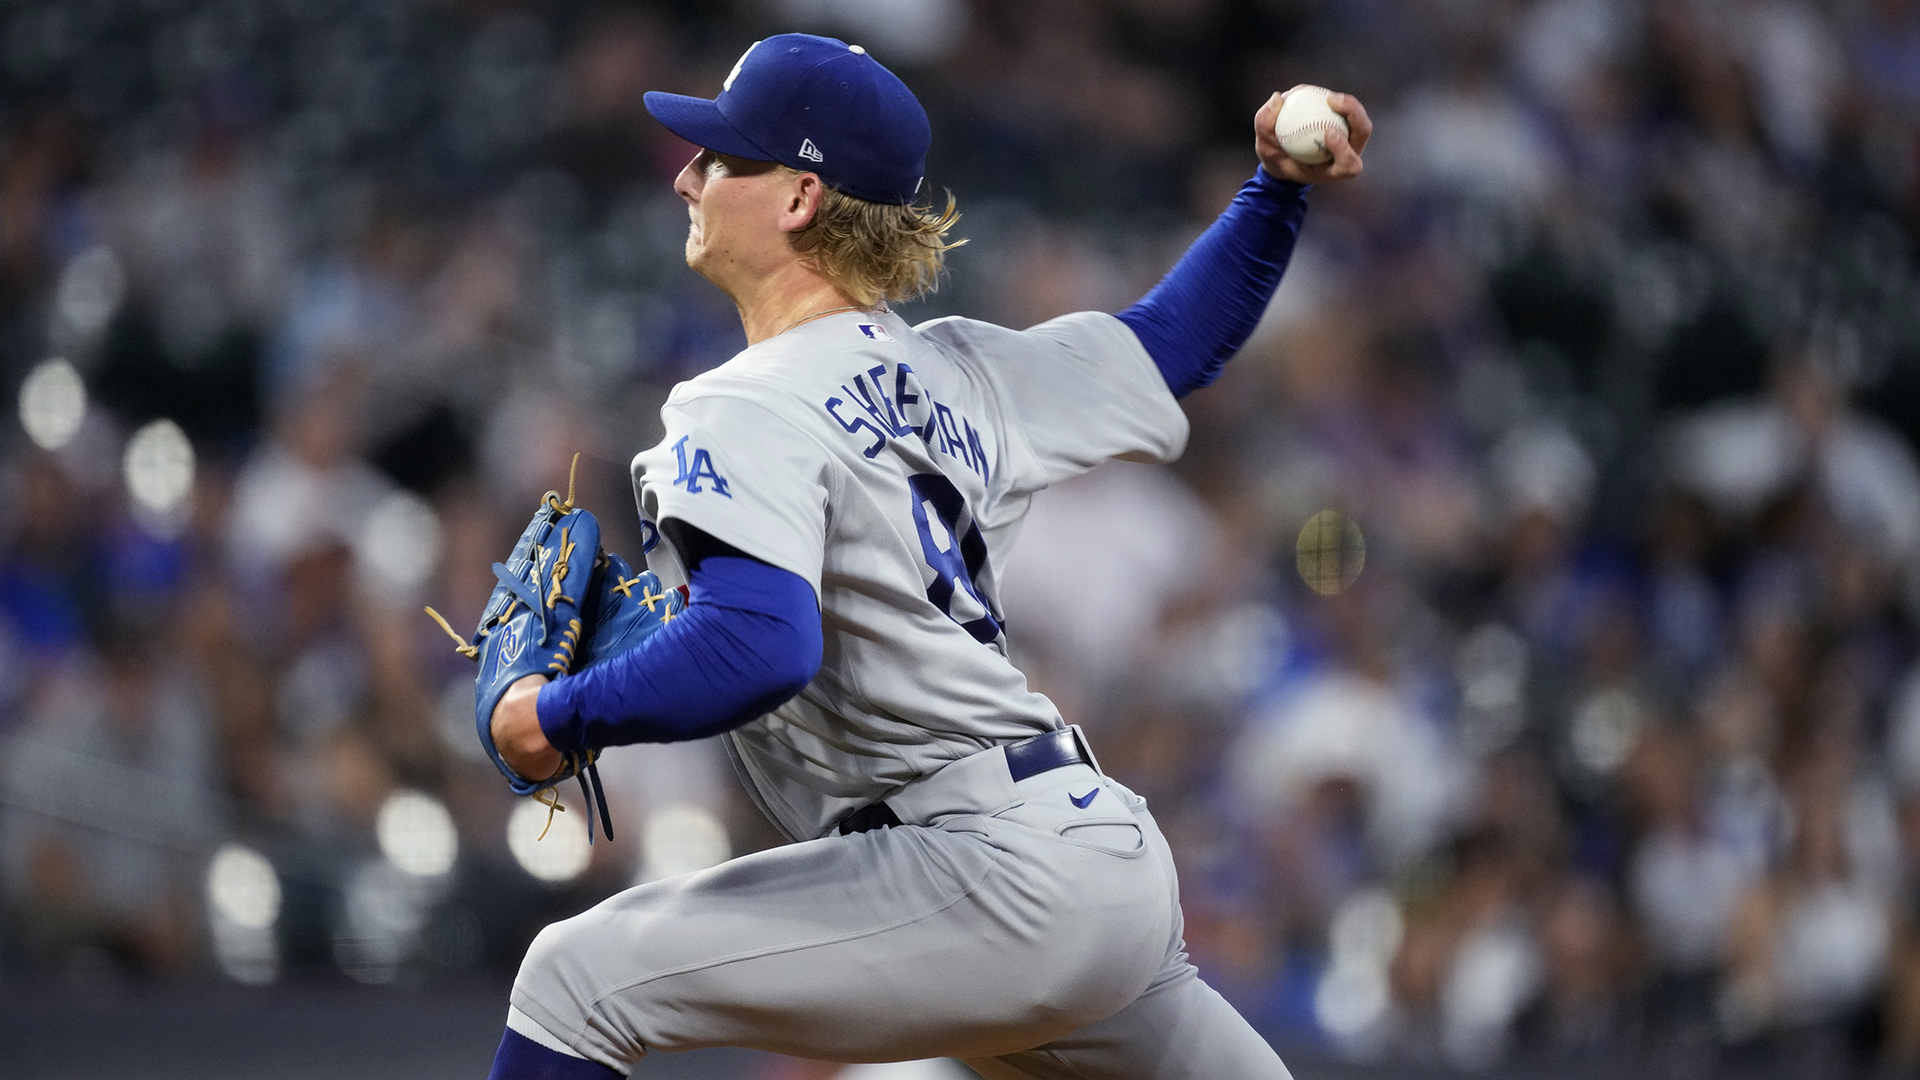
877, 333
810, 151
696, 468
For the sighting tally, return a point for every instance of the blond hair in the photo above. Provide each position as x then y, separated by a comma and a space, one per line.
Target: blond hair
877, 252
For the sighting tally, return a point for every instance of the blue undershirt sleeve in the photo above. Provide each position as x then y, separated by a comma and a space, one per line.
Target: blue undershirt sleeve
1200, 314
749, 640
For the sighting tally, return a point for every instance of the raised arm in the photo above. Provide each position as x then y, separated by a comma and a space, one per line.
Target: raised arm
1200, 314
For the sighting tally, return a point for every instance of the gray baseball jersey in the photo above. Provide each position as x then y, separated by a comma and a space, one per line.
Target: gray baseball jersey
1029, 924
890, 466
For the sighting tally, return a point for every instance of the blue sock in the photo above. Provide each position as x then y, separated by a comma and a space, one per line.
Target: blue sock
520, 1058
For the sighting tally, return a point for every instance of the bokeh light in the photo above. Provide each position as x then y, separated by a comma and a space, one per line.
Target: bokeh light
399, 547
1494, 973
89, 293
1366, 929
386, 908
1349, 1004
1492, 668
1605, 728
1330, 552
53, 401
682, 839
242, 887
246, 954
1353, 995
159, 470
416, 834
562, 855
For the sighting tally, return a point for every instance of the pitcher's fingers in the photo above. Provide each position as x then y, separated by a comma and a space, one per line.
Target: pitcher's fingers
1346, 160
1359, 123
1263, 121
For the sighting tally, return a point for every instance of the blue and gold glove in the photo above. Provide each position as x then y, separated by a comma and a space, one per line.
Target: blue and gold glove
555, 612
624, 609
533, 625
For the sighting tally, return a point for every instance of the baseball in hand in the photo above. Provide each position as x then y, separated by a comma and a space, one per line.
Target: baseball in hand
1303, 124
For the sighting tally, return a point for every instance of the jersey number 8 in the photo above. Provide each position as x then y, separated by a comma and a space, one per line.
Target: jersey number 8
958, 561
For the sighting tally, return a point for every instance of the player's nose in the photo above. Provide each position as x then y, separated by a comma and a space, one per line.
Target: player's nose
687, 184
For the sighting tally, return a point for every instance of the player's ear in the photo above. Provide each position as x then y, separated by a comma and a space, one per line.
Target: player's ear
803, 201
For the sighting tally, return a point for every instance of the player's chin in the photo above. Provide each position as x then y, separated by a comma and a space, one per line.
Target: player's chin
701, 261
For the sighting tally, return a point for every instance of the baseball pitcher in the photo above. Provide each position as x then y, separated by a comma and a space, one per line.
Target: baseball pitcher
833, 504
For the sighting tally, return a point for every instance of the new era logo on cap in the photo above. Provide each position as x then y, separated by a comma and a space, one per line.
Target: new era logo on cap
810, 151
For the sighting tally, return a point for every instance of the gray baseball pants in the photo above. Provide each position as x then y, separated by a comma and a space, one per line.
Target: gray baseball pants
1003, 924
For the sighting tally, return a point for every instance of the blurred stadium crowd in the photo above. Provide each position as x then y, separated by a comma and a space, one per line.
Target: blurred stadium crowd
1522, 659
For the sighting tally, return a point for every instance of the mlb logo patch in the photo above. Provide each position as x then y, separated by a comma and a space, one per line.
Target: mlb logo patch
877, 333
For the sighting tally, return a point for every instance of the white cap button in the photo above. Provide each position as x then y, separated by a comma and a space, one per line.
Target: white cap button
856, 48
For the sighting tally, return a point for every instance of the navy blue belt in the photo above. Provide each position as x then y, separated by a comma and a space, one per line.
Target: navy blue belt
1028, 757
1042, 753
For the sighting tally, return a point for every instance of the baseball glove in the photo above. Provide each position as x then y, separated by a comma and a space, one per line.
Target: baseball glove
624, 608
556, 611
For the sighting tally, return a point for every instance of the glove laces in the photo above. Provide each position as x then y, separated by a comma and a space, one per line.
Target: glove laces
595, 797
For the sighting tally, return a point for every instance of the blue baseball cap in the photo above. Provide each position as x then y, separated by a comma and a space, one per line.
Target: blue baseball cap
816, 104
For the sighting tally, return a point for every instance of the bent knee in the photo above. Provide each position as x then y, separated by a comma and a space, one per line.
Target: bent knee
551, 948
557, 970
561, 984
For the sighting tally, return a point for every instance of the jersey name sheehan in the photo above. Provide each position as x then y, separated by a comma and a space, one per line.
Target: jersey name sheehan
889, 466
909, 410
